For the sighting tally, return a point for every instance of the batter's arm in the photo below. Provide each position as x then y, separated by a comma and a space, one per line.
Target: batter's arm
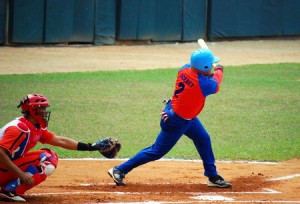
218, 75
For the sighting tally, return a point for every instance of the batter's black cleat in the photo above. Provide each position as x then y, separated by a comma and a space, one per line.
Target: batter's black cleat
218, 181
117, 176
11, 197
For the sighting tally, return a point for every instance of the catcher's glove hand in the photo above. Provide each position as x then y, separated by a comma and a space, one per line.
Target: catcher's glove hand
108, 147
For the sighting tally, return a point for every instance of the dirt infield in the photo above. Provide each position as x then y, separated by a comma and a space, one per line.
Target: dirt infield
19, 60
163, 181
167, 181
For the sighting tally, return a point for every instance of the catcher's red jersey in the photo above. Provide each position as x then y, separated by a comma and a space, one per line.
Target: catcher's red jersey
19, 136
191, 89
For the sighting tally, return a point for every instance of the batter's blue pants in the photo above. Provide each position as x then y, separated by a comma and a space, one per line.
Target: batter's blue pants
171, 132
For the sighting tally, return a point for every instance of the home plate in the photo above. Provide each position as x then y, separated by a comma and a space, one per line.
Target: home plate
213, 198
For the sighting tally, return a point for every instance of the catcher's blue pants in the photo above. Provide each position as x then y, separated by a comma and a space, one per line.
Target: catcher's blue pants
170, 133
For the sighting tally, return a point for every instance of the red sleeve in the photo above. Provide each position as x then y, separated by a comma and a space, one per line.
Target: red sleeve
47, 135
218, 76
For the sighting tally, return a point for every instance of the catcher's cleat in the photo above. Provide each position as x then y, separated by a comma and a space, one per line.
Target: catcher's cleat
218, 181
117, 176
11, 197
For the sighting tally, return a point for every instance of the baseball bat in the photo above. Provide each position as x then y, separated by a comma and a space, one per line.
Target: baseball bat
202, 43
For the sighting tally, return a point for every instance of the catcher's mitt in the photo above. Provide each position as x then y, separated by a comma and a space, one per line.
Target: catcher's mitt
109, 147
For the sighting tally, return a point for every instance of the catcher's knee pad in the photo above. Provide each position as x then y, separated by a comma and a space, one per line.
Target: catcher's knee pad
47, 168
48, 161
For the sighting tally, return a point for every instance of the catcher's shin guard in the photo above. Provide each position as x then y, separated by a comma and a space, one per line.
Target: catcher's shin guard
12, 186
19, 187
39, 171
38, 178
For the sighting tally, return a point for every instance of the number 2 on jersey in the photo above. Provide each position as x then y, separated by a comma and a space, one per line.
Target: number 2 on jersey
178, 91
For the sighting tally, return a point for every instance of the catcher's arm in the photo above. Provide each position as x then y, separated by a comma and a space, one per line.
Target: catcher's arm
108, 147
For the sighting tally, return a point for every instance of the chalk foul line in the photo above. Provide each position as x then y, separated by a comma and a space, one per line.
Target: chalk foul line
284, 177
265, 191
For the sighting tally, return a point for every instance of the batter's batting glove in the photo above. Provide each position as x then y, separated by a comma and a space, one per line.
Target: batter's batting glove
218, 66
164, 115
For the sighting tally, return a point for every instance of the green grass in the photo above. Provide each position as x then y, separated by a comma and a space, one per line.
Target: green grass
255, 116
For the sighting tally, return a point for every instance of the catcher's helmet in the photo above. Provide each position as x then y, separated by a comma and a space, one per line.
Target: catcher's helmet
35, 105
202, 59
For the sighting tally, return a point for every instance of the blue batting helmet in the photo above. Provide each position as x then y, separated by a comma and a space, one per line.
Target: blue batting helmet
203, 59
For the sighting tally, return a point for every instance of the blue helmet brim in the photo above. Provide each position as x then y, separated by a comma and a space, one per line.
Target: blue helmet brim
216, 59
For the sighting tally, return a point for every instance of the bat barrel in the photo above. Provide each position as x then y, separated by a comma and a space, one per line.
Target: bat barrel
202, 43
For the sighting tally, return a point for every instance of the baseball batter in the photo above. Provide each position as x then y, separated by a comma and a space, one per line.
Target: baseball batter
194, 83
22, 169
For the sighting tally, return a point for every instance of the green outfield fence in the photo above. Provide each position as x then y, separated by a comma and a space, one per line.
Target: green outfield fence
103, 22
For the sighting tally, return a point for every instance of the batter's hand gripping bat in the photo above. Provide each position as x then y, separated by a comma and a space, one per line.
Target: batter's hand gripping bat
203, 44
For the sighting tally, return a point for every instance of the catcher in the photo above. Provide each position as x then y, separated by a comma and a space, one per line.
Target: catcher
22, 169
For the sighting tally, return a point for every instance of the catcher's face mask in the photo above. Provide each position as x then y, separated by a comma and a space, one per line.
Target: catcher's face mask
36, 105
